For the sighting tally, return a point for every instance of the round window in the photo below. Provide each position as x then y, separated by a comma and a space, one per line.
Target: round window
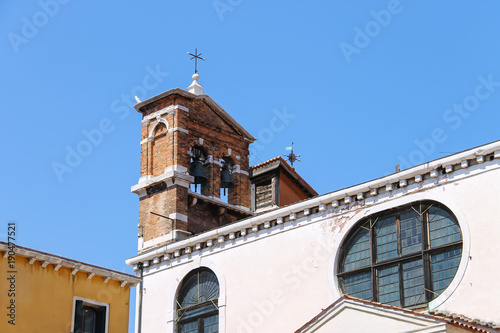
405, 257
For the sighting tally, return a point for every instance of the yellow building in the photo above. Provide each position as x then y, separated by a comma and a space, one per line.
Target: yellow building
45, 293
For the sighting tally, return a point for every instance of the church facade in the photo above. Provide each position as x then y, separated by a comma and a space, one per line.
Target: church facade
419, 240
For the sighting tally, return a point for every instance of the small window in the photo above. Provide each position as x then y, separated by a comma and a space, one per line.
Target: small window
404, 257
90, 317
197, 303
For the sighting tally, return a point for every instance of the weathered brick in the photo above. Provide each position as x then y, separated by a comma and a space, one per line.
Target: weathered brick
167, 147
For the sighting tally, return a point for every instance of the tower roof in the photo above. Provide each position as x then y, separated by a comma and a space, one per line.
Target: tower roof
206, 99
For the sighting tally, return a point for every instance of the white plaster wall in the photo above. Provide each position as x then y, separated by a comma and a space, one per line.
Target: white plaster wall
478, 293
262, 283
280, 278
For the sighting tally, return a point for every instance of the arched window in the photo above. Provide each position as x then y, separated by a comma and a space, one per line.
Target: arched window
197, 303
226, 181
199, 169
405, 256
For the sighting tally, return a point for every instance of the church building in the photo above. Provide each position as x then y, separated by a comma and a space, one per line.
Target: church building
225, 247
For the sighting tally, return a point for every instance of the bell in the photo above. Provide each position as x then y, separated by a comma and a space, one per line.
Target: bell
197, 172
226, 181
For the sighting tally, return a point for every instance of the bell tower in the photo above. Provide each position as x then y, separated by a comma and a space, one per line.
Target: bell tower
192, 150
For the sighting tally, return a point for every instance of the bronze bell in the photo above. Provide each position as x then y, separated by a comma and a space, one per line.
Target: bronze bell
197, 172
226, 181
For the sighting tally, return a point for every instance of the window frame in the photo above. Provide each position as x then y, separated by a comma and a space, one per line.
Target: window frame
89, 303
424, 254
199, 318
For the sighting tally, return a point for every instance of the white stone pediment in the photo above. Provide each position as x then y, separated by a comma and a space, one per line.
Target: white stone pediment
356, 316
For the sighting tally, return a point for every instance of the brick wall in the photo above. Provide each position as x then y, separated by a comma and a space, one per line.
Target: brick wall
205, 216
219, 138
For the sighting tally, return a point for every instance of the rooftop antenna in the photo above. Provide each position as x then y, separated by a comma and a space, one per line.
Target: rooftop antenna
291, 157
196, 56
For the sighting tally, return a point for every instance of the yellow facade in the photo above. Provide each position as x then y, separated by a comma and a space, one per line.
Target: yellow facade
45, 296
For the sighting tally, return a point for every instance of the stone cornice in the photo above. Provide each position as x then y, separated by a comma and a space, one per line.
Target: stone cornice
172, 175
412, 180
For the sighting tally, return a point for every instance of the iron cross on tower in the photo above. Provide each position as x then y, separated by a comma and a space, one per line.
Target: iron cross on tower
291, 157
196, 56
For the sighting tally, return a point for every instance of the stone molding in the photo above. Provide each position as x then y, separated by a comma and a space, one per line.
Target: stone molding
343, 201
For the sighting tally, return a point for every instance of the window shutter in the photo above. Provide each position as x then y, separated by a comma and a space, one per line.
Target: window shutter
78, 317
101, 320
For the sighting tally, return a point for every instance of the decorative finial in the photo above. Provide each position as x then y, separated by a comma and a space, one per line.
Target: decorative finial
195, 87
291, 157
196, 56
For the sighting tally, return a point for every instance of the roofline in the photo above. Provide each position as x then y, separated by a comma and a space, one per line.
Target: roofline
428, 166
325, 199
203, 97
461, 319
294, 173
209, 99
163, 95
69, 263
346, 298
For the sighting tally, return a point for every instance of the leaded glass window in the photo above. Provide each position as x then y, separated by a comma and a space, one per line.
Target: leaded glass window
197, 309
359, 251
406, 256
359, 285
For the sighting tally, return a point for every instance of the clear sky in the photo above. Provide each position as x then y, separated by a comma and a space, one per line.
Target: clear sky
359, 86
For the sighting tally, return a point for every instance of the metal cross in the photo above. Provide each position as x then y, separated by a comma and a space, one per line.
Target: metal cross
196, 56
291, 157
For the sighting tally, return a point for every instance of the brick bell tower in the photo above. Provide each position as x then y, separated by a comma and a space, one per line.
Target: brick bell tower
191, 152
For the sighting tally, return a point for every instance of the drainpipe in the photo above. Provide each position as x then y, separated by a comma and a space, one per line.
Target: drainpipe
139, 315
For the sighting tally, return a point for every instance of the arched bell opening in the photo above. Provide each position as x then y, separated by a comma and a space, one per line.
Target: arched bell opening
226, 178
197, 168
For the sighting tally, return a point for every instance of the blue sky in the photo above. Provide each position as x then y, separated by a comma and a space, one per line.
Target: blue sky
358, 86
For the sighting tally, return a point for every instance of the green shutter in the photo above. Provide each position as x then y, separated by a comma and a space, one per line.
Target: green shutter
100, 325
78, 317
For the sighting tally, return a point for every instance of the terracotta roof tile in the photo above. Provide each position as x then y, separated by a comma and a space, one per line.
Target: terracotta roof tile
266, 162
462, 320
